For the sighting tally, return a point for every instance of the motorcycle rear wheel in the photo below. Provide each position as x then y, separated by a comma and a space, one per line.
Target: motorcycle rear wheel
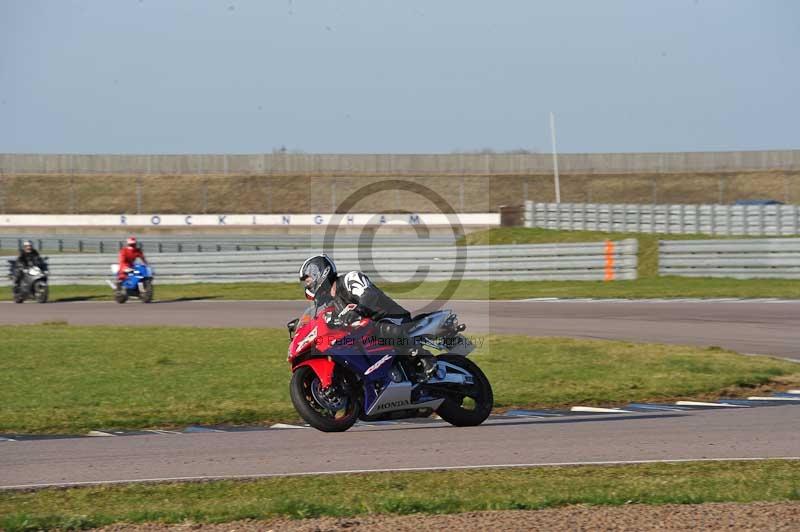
304, 386
475, 406
120, 296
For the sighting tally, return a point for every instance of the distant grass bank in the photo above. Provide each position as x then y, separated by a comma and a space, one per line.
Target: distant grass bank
279, 194
440, 492
72, 379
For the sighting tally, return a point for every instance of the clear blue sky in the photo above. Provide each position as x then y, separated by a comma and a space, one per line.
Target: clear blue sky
411, 76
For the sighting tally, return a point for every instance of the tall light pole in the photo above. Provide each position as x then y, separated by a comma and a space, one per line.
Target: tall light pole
555, 157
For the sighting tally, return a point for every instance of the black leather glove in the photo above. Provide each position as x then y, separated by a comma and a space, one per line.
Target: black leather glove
350, 318
346, 317
388, 329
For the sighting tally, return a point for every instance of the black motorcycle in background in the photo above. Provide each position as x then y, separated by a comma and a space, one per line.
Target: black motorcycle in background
33, 284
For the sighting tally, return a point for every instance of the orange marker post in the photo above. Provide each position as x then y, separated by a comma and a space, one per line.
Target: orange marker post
609, 261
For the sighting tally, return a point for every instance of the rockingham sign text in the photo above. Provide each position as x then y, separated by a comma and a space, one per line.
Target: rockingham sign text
265, 220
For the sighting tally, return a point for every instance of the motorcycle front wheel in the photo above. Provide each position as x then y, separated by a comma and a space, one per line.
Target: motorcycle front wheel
147, 296
473, 403
329, 411
41, 292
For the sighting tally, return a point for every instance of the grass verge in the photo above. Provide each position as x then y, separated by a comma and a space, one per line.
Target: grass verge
58, 378
401, 493
643, 288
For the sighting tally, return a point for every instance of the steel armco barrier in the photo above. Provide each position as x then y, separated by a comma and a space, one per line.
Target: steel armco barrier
210, 243
741, 259
757, 220
593, 261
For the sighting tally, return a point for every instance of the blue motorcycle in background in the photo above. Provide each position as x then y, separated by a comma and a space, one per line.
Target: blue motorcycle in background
138, 283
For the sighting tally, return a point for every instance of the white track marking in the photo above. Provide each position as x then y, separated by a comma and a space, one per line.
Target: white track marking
758, 398
701, 403
657, 408
597, 410
399, 470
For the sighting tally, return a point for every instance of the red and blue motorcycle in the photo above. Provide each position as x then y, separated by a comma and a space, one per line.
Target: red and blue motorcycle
345, 372
138, 282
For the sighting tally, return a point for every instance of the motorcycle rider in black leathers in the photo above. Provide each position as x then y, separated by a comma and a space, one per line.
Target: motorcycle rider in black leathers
27, 257
324, 286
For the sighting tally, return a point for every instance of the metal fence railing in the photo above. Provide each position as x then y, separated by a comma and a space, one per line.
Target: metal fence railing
748, 258
758, 220
485, 163
742, 259
215, 243
593, 261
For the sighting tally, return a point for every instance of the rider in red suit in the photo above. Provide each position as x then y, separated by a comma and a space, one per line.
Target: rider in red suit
127, 256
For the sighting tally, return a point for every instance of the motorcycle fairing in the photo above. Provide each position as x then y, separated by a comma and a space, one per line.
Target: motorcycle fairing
371, 362
362, 352
398, 396
322, 367
140, 272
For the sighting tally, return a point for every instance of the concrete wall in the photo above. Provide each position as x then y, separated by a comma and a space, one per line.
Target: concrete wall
397, 165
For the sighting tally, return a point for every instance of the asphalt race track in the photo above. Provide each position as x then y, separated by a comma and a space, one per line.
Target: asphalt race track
747, 326
766, 327
766, 432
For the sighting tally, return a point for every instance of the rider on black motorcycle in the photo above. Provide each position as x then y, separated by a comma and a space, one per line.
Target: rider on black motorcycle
324, 286
27, 258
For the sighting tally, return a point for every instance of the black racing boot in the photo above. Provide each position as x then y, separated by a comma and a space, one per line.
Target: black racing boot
426, 362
